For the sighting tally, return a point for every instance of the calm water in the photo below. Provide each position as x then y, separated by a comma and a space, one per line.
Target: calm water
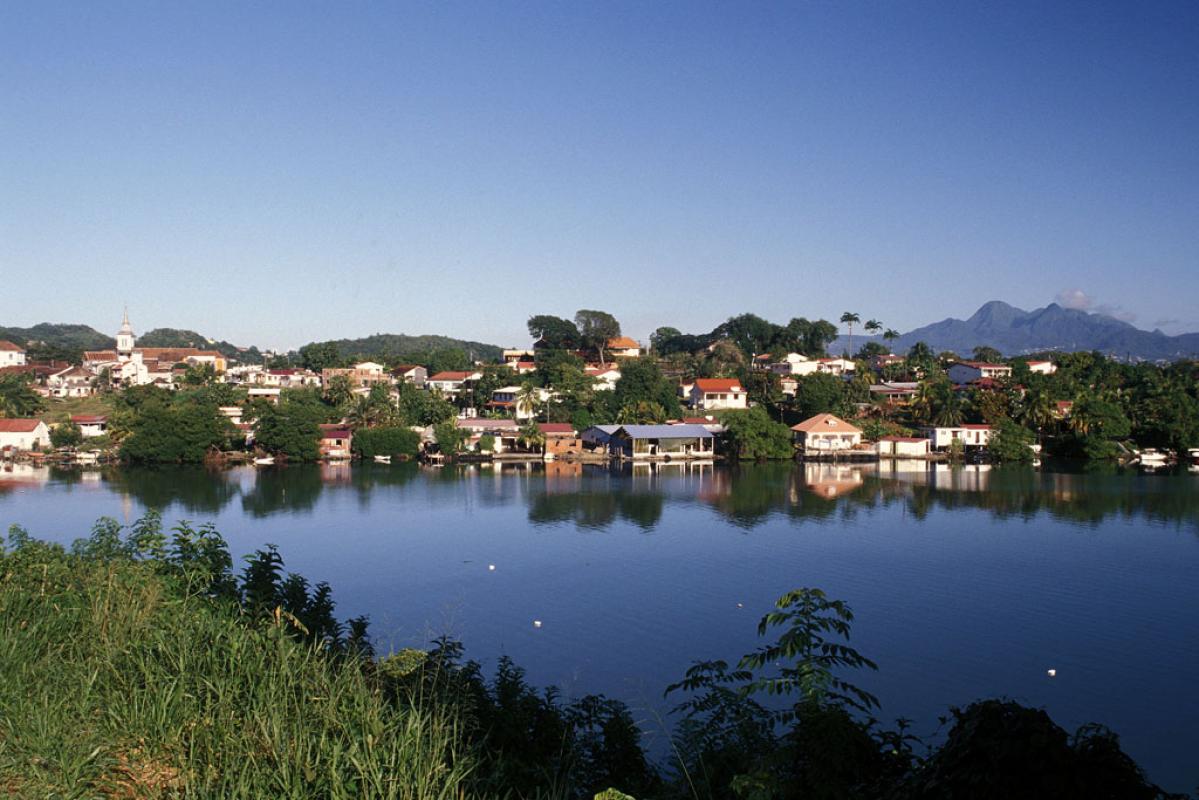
966, 583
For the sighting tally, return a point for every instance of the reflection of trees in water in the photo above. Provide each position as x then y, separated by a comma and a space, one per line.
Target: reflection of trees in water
196, 489
291, 488
366, 478
592, 509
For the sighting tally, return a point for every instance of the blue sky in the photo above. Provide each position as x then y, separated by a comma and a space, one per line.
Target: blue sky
282, 173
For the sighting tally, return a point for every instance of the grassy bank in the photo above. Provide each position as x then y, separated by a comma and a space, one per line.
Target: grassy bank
115, 681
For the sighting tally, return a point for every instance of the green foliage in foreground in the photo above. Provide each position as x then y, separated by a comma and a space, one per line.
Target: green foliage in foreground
139, 664
754, 436
125, 677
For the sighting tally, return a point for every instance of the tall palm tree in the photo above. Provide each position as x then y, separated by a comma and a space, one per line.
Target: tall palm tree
890, 334
527, 399
850, 318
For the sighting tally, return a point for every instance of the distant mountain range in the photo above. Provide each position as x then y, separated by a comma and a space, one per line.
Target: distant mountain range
1013, 331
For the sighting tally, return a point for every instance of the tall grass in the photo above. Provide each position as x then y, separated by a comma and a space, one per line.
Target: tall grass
115, 684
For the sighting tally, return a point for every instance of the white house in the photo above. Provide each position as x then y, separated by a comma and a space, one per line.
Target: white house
70, 382
11, 355
971, 436
834, 366
623, 347
794, 364
507, 399
1042, 367
410, 373
505, 432
711, 394
91, 425
451, 382
974, 371
826, 432
605, 375
903, 447
23, 434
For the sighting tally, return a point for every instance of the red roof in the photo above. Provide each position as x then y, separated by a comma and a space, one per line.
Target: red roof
698, 421
984, 365
335, 433
623, 343
89, 419
825, 423
19, 425
557, 428
10, 347
450, 376
718, 384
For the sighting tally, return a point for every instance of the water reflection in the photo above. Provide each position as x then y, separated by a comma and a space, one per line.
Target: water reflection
593, 497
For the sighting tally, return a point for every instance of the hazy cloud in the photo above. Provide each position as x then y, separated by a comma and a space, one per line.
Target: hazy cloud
1079, 300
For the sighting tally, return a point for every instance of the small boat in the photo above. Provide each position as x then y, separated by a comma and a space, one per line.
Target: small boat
1152, 458
382, 459
265, 461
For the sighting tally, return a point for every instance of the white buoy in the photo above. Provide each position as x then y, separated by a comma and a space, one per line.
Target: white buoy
1052, 673
536, 623
491, 567
739, 605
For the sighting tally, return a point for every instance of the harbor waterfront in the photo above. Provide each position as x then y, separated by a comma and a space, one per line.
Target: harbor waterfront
966, 581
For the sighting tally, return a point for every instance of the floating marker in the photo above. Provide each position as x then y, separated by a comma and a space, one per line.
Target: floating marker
1052, 673
739, 605
536, 623
491, 567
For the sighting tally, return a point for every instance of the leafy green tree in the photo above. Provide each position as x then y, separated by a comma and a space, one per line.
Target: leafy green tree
1011, 442
820, 393
641, 412
17, 397
554, 332
595, 329
339, 392
183, 432
321, 355
662, 338
292, 428
987, 354
449, 437
753, 436
392, 441
642, 381
199, 375
67, 434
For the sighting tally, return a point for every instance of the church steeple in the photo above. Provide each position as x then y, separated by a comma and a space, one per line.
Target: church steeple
125, 339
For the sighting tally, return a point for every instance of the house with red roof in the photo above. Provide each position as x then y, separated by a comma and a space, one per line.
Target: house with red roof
561, 439
336, 440
717, 394
11, 355
826, 433
23, 434
91, 425
453, 382
623, 347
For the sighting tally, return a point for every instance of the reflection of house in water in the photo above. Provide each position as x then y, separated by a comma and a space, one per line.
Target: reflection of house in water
335, 471
968, 478
19, 477
831, 480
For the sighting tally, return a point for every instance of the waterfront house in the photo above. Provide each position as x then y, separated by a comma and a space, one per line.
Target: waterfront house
826, 433
710, 394
903, 446
11, 355
23, 434
597, 437
560, 439
336, 441
964, 372
91, 425
970, 436
662, 441
506, 432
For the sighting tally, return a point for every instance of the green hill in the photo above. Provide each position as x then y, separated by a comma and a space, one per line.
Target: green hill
173, 337
416, 348
58, 340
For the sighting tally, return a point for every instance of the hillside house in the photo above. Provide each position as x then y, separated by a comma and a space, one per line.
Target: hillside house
507, 400
11, 355
70, 382
452, 383
623, 347
91, 425
712, 394
964, 372
414, 374
1042, 367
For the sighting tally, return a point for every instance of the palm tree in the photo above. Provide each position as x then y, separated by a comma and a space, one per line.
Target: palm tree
1037, 410
950, 413
850, 318
890, 334
527, 400
532, 437
873, 326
